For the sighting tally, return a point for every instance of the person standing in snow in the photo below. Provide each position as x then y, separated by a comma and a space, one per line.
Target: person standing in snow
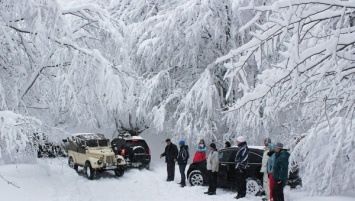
200, 154
280, 171
183, 156
263, 169
241, 162
270, 165
212, 169
170, 153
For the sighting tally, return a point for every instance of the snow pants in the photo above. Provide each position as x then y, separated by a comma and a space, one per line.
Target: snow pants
170, 166
271, 181
212, 181
241, 183
266, 184
278, 192
182, 168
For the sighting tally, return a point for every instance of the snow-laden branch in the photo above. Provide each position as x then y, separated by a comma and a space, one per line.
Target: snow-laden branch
305, 58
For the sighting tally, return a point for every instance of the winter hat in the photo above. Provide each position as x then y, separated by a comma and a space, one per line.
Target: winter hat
213, 146
182, 142
279, 145
167, 140
241, 139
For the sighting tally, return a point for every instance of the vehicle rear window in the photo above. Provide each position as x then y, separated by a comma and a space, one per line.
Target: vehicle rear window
133, 143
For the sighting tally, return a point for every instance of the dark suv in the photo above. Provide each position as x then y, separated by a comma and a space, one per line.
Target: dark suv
134, 149
197, 172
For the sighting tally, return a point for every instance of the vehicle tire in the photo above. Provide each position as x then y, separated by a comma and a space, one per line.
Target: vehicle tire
196, 178
147, 166
253, 187
72, 164
90, 173
119, 172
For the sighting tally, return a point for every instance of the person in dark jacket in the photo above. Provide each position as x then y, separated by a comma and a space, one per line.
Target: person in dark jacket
183, 156
241, 162
280, 171
170, 153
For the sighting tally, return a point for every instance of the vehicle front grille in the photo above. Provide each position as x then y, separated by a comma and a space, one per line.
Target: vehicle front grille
110, 160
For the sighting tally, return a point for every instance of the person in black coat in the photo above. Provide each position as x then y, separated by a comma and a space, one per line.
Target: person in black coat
241, 163
183, 156
170, 153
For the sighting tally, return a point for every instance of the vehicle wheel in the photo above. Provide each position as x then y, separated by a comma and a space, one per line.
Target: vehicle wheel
196, 178
72, 164
253, 187
90, 173
119, 172
147, 166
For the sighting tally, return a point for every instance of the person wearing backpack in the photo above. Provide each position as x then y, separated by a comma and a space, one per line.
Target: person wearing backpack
183, 156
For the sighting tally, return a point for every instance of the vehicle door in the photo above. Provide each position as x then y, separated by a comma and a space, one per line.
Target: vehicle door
225, 166
254, 164
81, 151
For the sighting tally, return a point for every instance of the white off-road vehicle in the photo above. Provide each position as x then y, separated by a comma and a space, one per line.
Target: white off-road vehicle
93, 153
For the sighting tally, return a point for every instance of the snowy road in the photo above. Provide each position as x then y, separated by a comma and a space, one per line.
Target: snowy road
53, 180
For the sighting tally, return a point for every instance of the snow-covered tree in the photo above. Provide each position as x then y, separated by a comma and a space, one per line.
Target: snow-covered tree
305, 52
175, 46
61, 63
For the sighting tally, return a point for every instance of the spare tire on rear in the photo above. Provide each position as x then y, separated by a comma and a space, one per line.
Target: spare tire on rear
138, 154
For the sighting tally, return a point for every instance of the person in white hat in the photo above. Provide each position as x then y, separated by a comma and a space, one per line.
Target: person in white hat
241, 162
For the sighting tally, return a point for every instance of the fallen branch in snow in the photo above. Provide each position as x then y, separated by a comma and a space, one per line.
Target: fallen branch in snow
9, 182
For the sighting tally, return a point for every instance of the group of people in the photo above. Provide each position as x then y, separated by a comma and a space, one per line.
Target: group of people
275, 169
274, 165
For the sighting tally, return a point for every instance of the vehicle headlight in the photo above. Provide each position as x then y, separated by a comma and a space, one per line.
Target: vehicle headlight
100, 160
119, 160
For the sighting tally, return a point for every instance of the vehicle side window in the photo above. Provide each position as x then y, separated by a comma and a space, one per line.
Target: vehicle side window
80, 142
232, 156
224, 155
254, 158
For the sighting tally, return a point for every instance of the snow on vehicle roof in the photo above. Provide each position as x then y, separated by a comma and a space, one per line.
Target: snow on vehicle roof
89, 136
254, 147
127, 136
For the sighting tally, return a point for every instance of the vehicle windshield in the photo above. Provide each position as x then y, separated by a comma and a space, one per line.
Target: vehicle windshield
97, 143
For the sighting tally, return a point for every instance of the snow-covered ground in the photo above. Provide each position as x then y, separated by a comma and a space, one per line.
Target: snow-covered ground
53, 180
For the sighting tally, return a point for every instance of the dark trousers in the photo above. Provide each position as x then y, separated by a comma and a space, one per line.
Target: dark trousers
182, 168
241, 183
170, 166
212, 181
278, 192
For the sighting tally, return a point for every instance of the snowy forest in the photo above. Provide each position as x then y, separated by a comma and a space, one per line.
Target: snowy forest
212, 69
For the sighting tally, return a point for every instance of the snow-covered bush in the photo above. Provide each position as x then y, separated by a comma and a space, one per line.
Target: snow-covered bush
16, 131
328, 157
